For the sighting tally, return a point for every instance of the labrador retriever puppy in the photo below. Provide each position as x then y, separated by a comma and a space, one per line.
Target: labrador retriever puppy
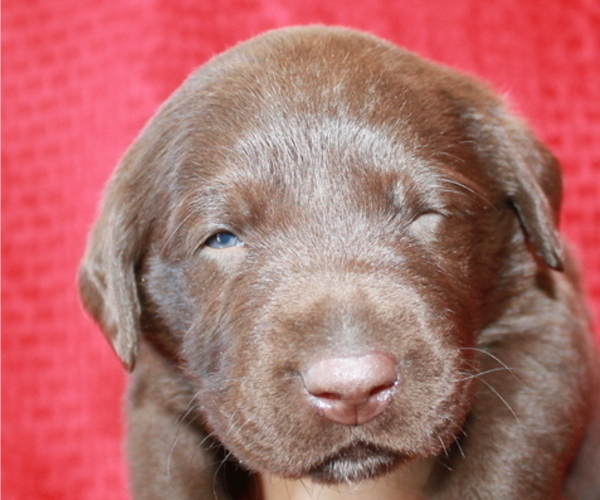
327, 258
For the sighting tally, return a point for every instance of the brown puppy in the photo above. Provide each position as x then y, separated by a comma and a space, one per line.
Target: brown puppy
327, 257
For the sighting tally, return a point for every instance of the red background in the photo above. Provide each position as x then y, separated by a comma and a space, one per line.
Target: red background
80, 78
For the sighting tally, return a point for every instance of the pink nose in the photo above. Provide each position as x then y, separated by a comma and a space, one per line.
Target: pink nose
352, 390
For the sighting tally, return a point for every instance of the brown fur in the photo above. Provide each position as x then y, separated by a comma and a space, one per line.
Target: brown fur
385, 204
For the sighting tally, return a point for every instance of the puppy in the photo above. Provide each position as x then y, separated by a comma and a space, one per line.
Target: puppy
326, 258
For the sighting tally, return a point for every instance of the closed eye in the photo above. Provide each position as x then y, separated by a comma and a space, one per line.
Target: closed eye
223, 240
427, 224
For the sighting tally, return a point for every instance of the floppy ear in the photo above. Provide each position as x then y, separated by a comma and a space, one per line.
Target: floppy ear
530, 176
136, 200
107, 276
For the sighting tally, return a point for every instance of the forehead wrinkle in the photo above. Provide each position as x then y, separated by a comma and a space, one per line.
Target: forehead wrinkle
310, 150
306, 160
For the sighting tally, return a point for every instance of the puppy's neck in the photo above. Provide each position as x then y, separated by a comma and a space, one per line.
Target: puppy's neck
404, 483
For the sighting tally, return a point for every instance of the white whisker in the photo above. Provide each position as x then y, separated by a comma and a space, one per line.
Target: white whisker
491, 388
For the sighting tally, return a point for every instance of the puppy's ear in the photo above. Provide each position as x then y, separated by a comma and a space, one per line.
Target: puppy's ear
530, 176
107, 276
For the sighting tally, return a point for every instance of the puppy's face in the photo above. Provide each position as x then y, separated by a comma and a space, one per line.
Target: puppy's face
325, 198
281, 272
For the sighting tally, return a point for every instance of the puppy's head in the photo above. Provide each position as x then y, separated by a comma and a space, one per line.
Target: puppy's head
315, 227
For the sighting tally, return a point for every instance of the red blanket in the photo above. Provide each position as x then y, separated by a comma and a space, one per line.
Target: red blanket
79, 80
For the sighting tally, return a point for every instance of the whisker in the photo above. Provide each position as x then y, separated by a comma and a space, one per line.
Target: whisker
495, 358
468, 190
220, 466
491, 388
465, 185
450, 155
460, 450
477, 375
443, 447
445, 465
180, 423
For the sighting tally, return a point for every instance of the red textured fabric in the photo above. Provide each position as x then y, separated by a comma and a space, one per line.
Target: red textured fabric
80, 77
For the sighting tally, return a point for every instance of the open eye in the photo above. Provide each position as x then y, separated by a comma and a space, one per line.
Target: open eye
223, 240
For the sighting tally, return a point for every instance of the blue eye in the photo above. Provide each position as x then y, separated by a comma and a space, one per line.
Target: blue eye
223, 240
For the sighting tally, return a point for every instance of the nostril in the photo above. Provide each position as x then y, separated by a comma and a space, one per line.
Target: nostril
382, 388
328, 395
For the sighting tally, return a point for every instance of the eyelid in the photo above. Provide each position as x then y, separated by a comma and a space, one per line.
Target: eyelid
426, 224
425, 212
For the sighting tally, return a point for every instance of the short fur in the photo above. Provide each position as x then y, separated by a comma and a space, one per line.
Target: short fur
385, 203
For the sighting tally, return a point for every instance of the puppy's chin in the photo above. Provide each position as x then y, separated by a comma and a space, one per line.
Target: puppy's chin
355, 463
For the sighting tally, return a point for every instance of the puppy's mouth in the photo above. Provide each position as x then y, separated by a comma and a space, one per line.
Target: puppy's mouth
354, 463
